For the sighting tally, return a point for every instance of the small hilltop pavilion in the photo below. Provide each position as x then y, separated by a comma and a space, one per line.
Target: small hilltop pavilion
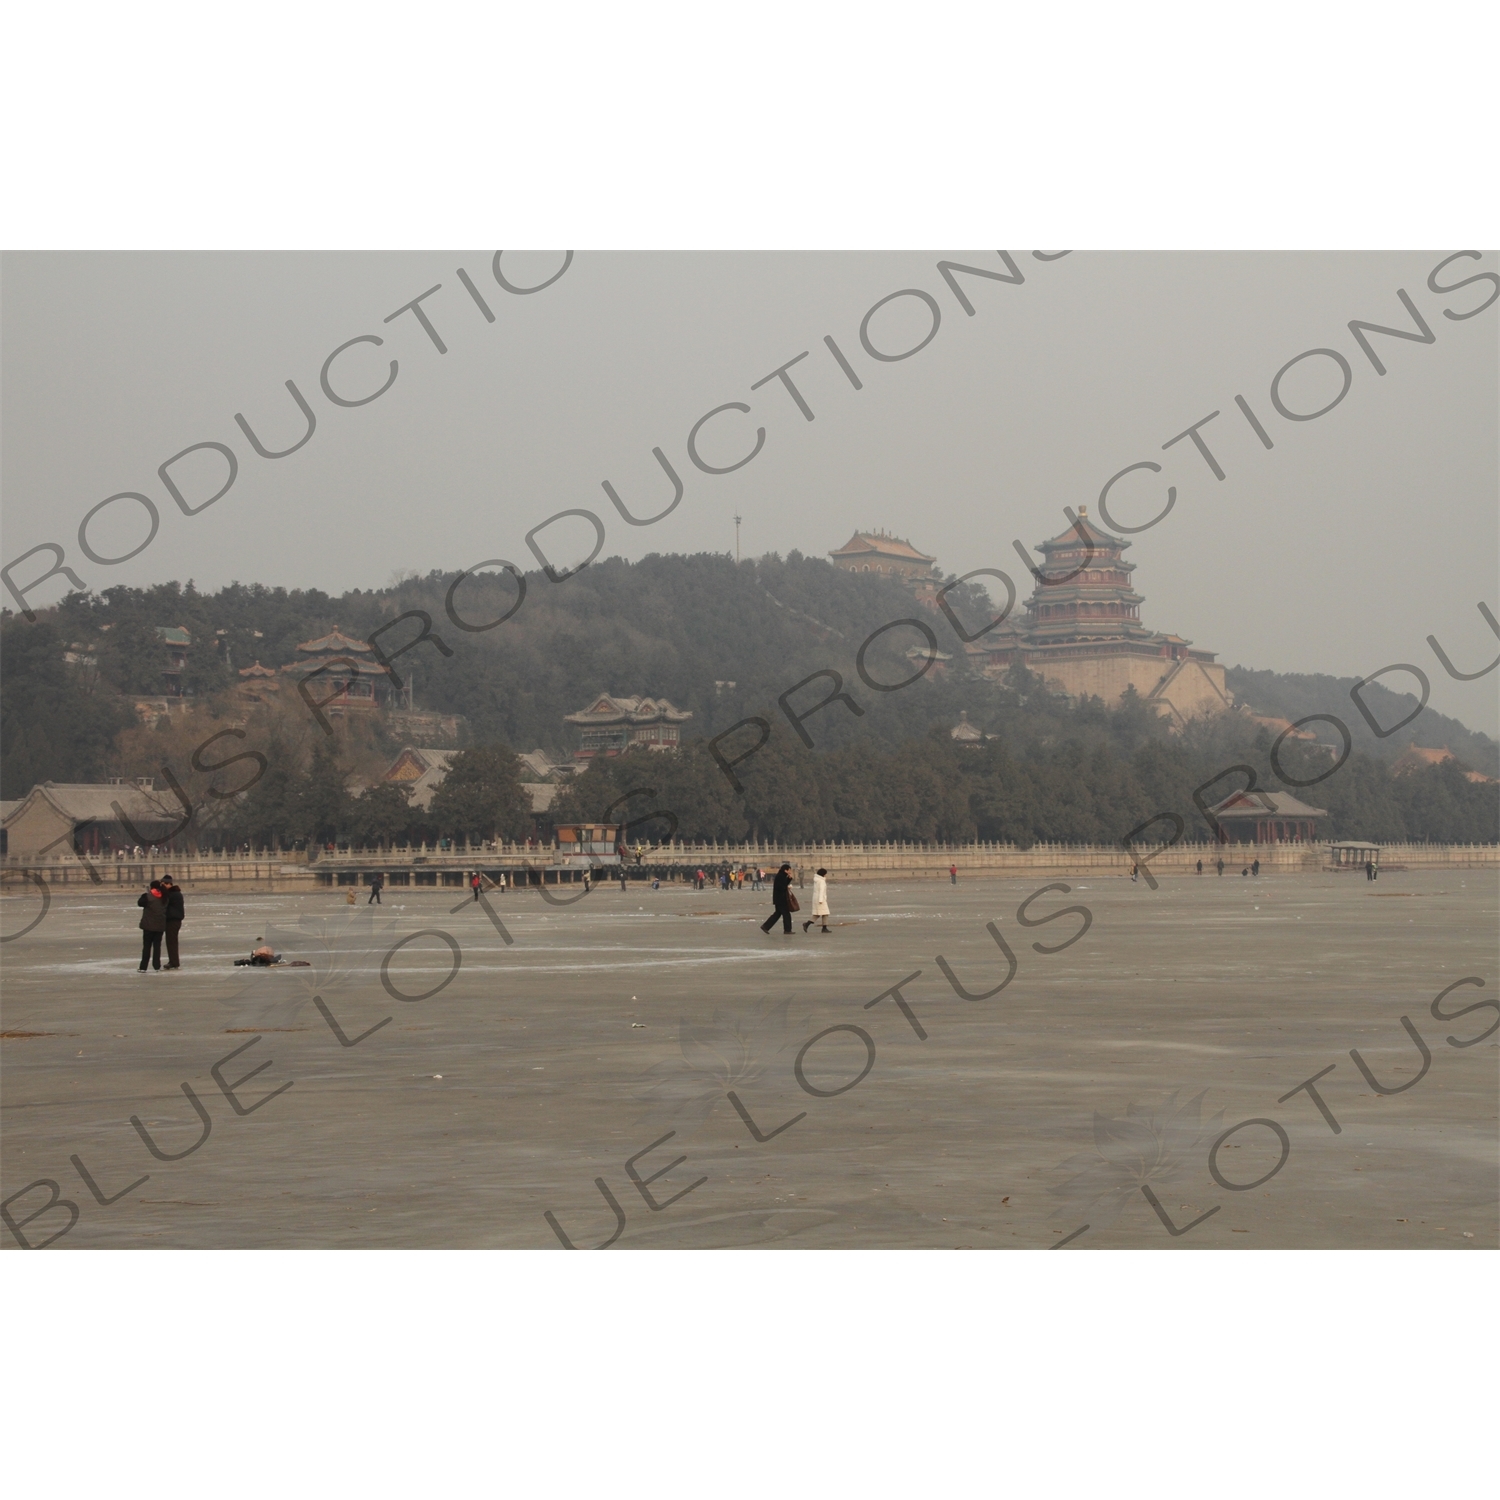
341, 673
258, 684
880, 552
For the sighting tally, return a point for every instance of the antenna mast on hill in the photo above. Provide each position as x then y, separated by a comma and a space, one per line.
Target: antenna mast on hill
736, 538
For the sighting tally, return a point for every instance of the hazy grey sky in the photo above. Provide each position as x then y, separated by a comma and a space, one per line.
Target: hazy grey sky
1339, 550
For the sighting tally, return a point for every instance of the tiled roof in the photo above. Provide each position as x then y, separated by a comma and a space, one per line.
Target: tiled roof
422, 757
1266, 804
1086, 530
873, 544
335, 641
609, 708
337, 662
538, 762
93, 802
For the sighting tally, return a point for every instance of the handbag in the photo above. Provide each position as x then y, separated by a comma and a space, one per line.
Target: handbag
793, 904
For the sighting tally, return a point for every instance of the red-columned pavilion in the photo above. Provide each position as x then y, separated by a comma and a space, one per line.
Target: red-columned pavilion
1267, 818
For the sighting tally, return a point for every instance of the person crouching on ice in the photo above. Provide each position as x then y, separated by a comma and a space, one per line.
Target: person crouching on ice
820, 901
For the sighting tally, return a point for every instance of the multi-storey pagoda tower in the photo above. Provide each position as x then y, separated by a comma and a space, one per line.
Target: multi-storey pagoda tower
1087, 593
1082, 633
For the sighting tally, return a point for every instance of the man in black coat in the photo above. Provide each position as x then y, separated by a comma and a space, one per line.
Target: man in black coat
153, 923
172, 893
781, 901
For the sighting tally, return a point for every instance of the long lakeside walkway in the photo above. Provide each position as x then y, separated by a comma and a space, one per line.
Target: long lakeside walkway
429, 865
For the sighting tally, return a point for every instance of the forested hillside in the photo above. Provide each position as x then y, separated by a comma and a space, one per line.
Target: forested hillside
712, 636
723, 640
1076, 775
1294, 695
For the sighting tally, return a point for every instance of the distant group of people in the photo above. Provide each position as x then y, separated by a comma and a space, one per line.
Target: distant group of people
730, 880
477, 883
1253, 868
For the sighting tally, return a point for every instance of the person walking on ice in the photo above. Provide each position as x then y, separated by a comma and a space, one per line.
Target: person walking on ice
953, 874
820, 901
783, 902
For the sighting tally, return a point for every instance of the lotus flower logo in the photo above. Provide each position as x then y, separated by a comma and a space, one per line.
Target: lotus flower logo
1155, 1147
338, 952
725, 1052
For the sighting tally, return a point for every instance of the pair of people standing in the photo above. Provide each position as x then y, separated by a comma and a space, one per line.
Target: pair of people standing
162, 914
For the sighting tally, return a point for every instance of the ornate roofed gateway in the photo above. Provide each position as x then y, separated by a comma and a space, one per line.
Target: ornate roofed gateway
1082, 633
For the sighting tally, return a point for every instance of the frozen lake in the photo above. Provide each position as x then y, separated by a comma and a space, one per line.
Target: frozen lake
533, 1068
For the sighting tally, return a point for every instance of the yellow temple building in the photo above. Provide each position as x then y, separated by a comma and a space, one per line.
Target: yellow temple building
879, 552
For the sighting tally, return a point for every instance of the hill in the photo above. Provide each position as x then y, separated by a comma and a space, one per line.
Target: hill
1294, 695
725, 641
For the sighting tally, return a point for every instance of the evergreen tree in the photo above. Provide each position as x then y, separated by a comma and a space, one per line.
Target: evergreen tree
323, 804
381, 815
481, 797
57, 719
267, 815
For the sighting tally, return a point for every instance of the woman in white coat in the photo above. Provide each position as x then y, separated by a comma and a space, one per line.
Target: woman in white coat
820, 902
